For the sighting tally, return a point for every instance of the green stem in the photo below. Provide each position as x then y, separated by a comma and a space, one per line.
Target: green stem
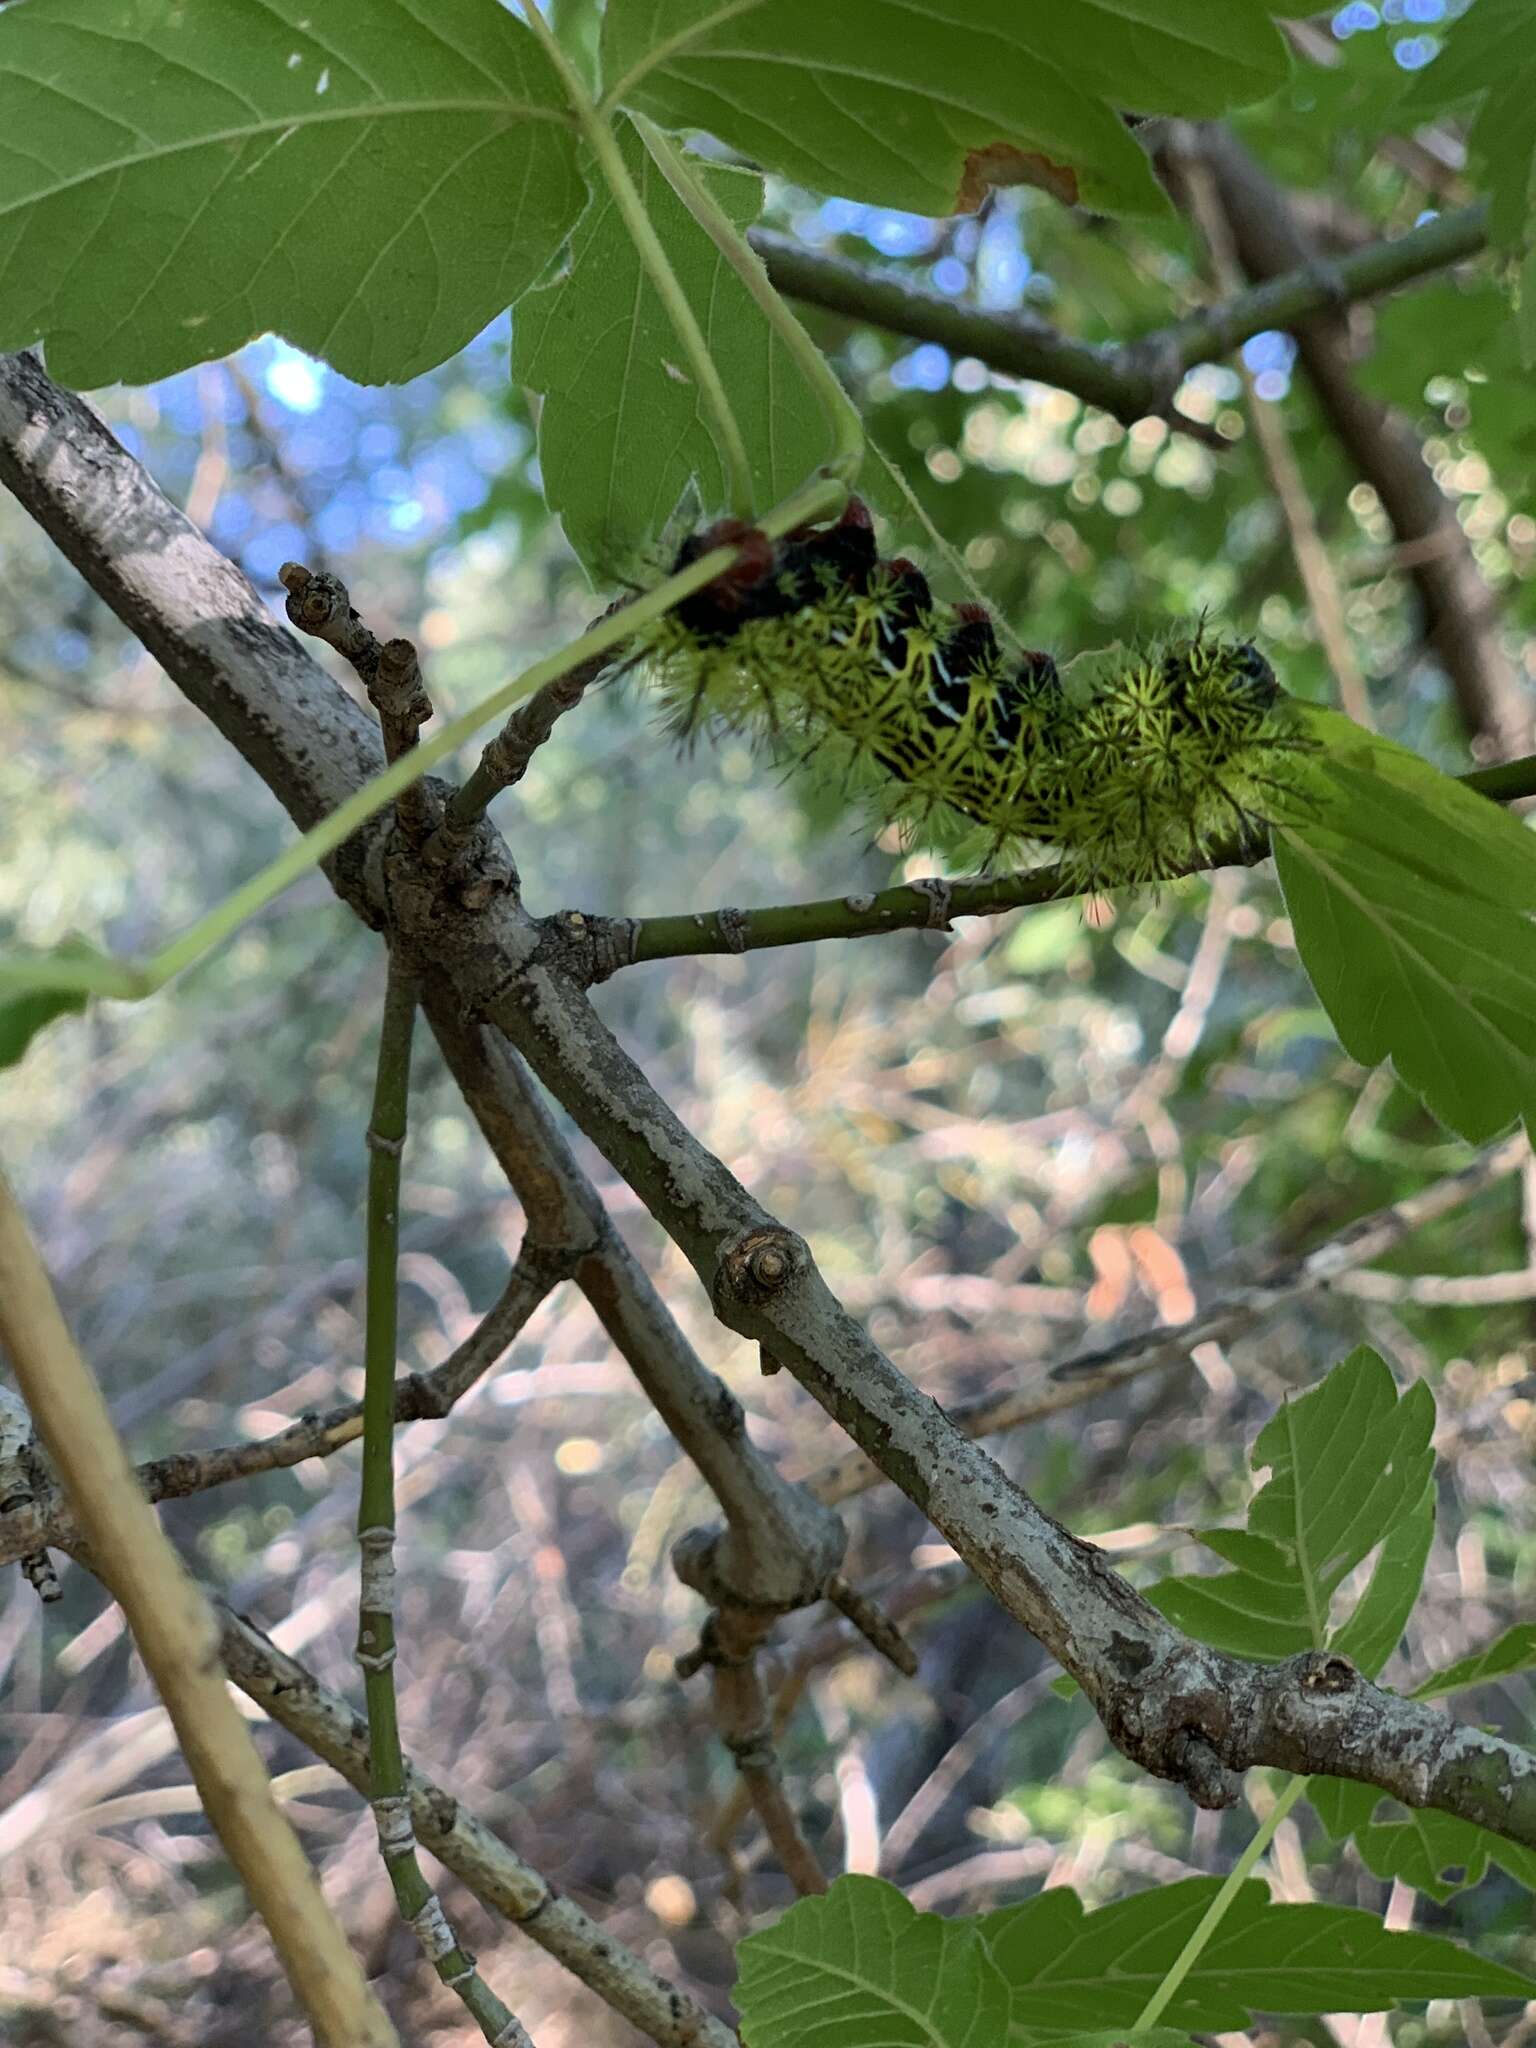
1130, 379
126, 981
388, 1788
603, 143
843, 422
909, 905
1218, 1909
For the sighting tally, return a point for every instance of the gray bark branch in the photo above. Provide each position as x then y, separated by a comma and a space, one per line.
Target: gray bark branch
1182, 1711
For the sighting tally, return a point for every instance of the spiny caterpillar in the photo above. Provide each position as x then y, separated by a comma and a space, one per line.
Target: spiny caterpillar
1136, 766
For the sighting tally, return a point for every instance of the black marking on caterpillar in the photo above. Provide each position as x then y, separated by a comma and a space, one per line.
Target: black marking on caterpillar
1136, 768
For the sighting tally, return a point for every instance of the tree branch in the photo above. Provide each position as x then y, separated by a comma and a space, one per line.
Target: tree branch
929, 904
1236, 1305
1129, 380
493, 1872
1180, 1710
1176, 1707
1460, 613
313, 746
419, 1397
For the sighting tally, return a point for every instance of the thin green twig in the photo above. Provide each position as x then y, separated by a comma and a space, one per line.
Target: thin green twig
388, 1791
1218, 1909
1134, 379
934, 901
601, 140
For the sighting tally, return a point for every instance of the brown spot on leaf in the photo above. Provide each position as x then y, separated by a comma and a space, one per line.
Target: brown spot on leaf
1004, 163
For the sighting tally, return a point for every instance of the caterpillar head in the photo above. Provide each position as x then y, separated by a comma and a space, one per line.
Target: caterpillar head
908, 596
714, 613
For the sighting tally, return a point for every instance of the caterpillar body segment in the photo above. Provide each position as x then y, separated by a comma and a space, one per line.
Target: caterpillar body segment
1134, 765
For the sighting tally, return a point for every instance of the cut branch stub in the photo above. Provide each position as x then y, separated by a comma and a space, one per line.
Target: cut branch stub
758, 1265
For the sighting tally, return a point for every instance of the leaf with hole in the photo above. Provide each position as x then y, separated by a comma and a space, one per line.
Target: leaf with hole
921, 103
1437, 1853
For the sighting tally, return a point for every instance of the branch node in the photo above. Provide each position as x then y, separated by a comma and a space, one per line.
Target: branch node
432, 1929
940, 895
398, 693
586, 947
733, 925
759, 1265
1325, 1671
392, 1818
1201, 1772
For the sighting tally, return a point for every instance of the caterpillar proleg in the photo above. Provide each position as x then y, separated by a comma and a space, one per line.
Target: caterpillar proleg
1133, 765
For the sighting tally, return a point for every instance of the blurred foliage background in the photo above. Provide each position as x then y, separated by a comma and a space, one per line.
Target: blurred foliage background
1005, 1143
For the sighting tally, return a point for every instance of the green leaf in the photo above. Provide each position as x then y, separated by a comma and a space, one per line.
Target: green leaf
1490, 55
1350, 1466
1065, 1966
1376, 1627
375, 182
904, 102
1117, 2037
622, 432
1410, 898
859, 1968
1251, 1613
1350, 1458
1436, 1853
1515, 1650
22, 1017
1461, 327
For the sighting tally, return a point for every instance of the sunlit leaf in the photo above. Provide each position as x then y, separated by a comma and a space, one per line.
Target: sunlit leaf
860, 1968
1376, 1627
622, 432
1065, 1966
1515, 1650
1350, 1466
1410, 897
374, 181
920, 103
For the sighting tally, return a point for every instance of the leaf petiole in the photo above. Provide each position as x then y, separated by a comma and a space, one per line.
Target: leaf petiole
603, 143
